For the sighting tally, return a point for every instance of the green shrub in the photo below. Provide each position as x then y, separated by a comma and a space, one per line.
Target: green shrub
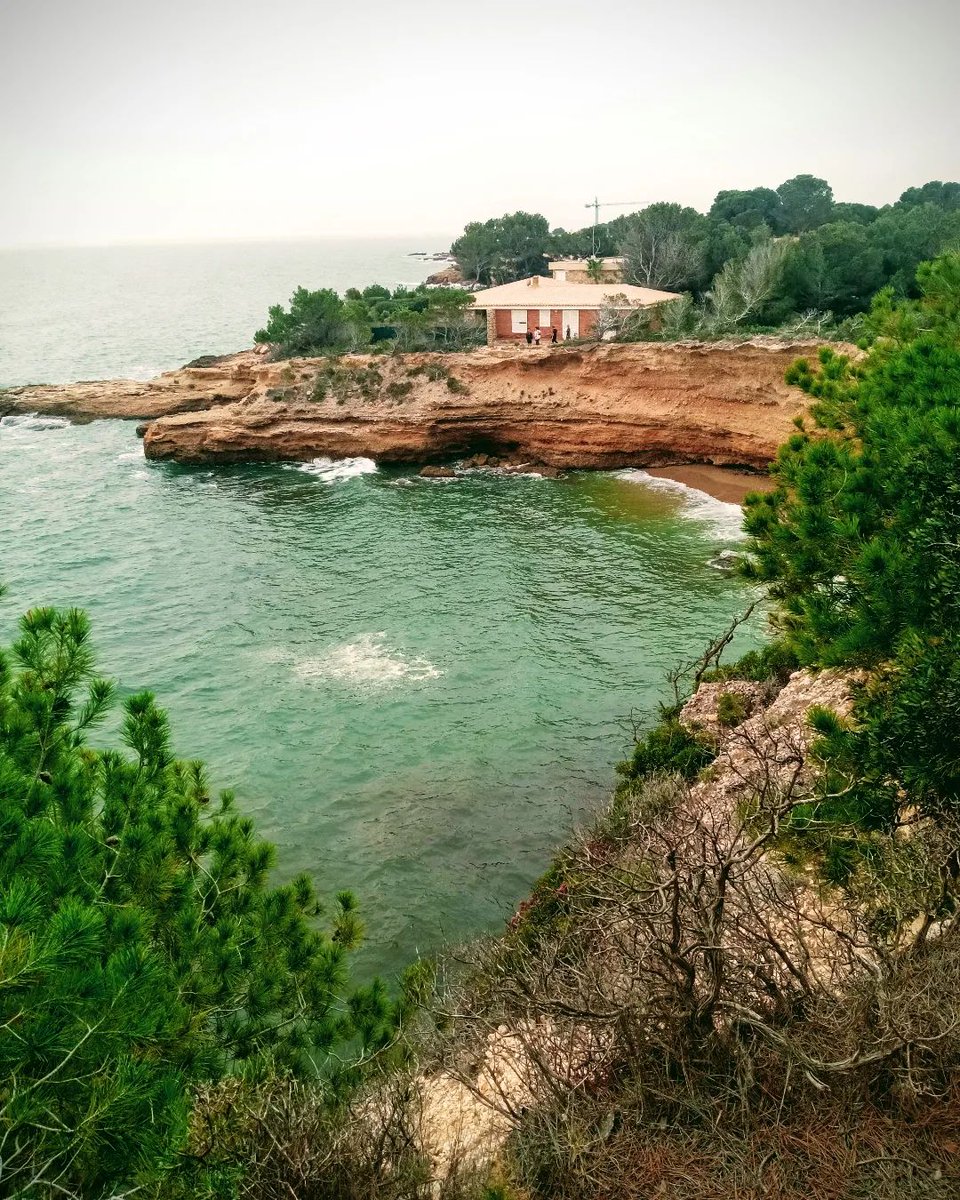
347, 382
731, 708
457, 386
397, 390
314, 322
669, 748
775, 661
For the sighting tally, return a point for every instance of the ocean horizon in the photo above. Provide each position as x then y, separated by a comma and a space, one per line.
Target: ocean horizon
133, 310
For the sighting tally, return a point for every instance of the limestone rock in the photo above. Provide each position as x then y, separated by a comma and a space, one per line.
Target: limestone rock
699, 714
605, 406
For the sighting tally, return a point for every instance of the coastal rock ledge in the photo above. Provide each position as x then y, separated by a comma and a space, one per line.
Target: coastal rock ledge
602, 407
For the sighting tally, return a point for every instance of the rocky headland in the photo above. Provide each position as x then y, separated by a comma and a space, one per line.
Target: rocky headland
604, 406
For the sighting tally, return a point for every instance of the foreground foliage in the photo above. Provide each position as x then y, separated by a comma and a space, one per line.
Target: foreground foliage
141, 946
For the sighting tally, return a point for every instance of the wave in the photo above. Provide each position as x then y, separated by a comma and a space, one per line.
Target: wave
32, 421
335, 470
367, 661
724, 519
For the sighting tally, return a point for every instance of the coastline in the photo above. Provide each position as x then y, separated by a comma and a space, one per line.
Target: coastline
722, 483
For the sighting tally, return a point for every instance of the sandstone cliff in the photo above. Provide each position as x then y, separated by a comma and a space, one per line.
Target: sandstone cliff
607, 406
603, 406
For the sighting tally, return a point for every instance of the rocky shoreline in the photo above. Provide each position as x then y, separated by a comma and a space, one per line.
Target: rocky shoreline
607, 406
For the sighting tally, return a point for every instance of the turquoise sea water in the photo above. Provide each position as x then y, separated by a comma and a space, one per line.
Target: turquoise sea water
416, 686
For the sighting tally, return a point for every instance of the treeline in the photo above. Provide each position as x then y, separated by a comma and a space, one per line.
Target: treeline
420, 318
760, 257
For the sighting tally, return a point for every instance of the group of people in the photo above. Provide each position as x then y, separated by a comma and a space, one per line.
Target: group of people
534, 337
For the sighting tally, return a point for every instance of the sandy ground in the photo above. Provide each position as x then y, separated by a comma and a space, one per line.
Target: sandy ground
723, 483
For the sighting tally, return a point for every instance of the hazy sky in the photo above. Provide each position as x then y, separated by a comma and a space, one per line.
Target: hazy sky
192, 119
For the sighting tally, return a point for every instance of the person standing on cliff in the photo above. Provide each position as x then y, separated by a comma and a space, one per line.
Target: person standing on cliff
529, 338
536, 337
568, 333
553, 336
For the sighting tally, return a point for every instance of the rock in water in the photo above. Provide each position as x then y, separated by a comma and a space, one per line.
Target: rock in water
726, 560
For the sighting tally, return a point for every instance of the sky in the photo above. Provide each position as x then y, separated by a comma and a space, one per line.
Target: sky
191, 120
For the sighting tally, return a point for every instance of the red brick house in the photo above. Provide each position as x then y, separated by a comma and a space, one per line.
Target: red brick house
558, 302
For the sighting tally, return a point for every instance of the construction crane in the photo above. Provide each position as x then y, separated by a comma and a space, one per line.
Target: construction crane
596, 205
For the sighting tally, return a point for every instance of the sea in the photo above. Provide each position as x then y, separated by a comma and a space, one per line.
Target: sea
418, 688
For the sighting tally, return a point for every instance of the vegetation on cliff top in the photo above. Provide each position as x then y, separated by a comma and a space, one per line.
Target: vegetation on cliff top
421, 318
760, 259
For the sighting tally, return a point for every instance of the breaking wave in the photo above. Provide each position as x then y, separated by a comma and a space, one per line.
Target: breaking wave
725, 520
369, 662
335, 470
32, 421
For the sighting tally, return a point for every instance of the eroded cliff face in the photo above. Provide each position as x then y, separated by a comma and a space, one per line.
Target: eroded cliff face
604, 406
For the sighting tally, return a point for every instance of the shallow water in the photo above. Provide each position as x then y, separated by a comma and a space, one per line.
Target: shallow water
416, 686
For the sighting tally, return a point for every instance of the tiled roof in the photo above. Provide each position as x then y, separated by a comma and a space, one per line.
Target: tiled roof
551, 293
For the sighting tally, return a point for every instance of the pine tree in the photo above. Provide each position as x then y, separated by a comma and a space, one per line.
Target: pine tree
860, 544
141, 946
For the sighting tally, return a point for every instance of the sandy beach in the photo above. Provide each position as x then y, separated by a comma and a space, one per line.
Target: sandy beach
723, 483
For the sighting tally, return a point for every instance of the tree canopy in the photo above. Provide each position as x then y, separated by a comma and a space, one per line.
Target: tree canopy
424, 317
837, 254
503, 248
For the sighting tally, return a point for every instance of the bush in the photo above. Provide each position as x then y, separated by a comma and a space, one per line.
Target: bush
397, 390
314, 322
668, 747
731, 708
346, 382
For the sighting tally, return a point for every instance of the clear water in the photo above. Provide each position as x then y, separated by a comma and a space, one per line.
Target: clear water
416, 686
133, 311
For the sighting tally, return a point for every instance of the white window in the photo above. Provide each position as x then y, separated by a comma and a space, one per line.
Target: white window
544, 317
560, 276
518, 320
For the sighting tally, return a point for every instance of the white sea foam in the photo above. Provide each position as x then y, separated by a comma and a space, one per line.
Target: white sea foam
131, 455
32, 421
368, 661
724, 520
334, 470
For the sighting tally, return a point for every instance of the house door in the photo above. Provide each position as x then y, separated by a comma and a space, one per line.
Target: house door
571, 321
518, 320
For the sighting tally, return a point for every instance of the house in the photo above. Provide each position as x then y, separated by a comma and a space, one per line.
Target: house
578, 270
564, 301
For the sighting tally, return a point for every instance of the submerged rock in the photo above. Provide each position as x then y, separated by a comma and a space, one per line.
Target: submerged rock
727, 560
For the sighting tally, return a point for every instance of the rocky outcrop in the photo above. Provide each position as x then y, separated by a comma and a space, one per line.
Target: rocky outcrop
202, 384
446, 276
604, 406
607, 406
